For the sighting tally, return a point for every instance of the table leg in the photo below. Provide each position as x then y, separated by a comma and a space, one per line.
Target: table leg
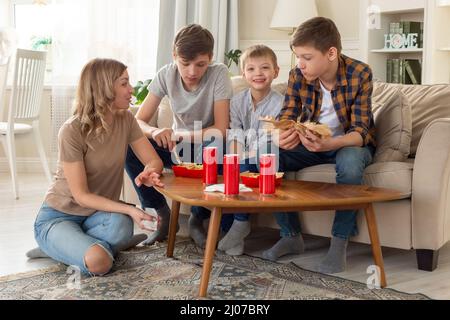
173, 227
375, 242
211, 241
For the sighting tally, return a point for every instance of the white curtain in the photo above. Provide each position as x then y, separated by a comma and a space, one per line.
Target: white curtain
218, 16
85, 29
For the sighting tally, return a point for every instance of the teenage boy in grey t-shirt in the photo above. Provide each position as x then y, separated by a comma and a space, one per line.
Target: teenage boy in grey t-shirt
197, 91
259, 68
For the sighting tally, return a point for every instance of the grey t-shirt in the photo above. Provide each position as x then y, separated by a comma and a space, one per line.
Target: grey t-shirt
243, 116
197, 105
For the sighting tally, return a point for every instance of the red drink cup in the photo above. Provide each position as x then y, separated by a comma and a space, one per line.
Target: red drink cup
267, 174
210, 165
231, 174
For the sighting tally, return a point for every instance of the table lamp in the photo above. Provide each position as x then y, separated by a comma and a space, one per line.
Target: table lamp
289, 14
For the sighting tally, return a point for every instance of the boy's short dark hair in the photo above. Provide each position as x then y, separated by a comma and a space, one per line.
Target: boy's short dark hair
193, 40
256, 51
320, 33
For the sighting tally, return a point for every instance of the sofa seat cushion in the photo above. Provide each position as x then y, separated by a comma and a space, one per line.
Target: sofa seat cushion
319, 173
391, 175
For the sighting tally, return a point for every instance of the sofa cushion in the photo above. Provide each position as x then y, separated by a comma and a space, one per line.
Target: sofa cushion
428, 102
391, 175
165, 114
392, 116
319, 173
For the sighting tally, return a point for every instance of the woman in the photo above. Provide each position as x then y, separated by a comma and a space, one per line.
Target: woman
82, 222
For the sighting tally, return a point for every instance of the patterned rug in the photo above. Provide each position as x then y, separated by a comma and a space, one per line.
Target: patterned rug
146, 273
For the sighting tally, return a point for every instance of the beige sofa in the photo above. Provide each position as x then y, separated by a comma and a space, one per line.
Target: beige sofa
413, 156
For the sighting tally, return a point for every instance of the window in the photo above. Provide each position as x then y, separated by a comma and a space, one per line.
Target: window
33, 23
75, 31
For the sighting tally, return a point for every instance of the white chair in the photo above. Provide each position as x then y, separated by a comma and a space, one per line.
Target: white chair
4, 63
25, 105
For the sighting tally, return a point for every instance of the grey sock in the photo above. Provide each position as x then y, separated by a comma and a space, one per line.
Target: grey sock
284, 246
236, 251
134, 241
336, 258
235, 236
36, 253
160, 234
196, 231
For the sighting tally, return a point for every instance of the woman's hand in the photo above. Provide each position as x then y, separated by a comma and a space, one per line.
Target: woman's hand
140, 216
163, 138
148, 177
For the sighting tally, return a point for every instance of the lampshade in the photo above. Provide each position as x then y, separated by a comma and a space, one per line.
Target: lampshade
289, 14
40, 2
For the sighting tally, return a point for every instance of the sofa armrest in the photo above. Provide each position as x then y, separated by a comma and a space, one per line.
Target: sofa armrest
431, 187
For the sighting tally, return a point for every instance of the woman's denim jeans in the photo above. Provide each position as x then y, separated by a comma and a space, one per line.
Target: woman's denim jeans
350, 164
66, 238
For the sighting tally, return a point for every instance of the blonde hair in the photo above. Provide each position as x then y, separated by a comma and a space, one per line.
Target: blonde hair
95, 95
257, 51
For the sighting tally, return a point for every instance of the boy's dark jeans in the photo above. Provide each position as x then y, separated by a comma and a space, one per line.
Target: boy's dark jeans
350, 164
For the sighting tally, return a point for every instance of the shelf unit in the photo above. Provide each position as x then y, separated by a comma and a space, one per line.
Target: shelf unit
397, 50
435, 15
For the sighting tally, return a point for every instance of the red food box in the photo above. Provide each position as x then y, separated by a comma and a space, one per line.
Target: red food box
188, 170
251, 180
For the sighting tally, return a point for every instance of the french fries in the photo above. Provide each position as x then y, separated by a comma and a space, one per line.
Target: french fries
192, 166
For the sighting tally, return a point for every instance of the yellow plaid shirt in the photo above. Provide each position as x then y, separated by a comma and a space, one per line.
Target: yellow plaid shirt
351, 98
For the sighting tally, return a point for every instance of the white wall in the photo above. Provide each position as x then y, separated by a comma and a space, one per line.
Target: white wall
4, 13
255, 17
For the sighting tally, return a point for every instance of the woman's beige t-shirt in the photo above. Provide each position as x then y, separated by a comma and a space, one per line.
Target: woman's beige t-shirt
104, 163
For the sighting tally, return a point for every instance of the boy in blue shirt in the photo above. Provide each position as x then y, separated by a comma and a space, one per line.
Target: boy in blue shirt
247, 137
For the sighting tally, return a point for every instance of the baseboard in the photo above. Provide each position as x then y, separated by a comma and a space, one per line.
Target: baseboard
27, 165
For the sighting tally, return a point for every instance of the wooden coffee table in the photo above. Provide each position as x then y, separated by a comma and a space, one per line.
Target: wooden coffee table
290, 196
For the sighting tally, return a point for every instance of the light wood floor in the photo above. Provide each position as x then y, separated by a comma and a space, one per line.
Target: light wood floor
16, 237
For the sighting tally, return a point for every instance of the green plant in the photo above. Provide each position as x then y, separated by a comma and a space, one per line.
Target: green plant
38, 43
233, 56
140, 91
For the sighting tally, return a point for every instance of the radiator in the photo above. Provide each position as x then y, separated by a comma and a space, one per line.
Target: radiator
61, 110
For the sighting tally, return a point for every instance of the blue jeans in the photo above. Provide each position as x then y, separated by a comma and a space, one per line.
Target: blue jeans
350, 164
67, 238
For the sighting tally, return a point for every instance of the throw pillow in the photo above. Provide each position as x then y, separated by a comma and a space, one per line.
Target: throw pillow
165, 114
392, 116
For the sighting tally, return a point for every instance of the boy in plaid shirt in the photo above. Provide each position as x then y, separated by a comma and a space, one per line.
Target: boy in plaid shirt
331, 88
